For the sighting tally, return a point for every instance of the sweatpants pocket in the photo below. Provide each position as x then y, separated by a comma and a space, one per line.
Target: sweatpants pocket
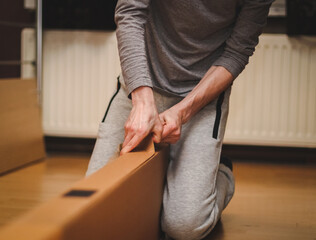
117, 90
218, 114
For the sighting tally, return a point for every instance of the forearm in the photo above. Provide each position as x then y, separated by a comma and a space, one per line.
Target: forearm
215, 81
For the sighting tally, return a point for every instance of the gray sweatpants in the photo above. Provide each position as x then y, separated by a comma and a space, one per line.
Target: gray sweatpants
198, 188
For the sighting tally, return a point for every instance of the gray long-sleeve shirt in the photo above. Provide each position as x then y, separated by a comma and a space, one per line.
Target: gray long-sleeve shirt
170, 45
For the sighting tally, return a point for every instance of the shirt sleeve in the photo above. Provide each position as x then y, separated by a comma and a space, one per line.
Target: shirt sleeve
130, 18
245, 36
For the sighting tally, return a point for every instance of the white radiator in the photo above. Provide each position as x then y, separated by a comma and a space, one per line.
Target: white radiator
79, 77
273, 101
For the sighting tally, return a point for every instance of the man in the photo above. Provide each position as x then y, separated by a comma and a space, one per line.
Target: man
179, 59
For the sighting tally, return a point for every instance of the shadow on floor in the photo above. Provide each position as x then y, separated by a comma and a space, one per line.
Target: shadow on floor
217, 233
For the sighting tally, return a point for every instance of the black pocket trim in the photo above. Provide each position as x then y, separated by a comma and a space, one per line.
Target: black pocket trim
117, 90
219, 103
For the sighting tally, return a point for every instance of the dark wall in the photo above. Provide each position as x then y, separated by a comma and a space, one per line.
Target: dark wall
13, 18
79, 14
301, 17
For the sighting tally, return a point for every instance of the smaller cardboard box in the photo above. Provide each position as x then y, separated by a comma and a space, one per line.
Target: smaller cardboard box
120, 201
21, 134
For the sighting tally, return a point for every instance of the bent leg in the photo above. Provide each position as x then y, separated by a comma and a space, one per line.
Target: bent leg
198, 188
111, 130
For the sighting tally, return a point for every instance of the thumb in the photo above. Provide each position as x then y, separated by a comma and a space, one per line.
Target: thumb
162, 119
157, 131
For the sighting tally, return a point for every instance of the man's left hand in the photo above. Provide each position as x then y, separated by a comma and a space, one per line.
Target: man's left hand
172, 123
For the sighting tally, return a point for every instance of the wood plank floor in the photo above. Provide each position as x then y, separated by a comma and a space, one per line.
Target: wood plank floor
272, 201
22, 190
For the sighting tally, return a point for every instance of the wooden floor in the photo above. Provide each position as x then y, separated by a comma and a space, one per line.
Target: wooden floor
272, 201
22, 190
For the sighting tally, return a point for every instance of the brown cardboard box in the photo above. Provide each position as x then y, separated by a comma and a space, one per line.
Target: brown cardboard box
120, 201
21, 135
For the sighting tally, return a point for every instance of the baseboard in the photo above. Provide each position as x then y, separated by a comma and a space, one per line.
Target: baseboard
68, 144
270, 154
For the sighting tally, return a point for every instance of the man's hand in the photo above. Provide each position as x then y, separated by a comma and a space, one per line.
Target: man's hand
143, 119
215, 81
172, 123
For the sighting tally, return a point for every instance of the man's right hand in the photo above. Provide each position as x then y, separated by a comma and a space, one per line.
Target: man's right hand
143, 119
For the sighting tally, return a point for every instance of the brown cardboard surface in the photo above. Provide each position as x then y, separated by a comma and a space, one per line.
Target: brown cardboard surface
125, 203
21, 136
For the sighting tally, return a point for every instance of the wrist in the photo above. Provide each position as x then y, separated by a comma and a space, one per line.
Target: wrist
183, 110
142, 95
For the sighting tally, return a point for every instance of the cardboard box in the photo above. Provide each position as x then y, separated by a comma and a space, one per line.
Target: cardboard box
21, 135
120, 201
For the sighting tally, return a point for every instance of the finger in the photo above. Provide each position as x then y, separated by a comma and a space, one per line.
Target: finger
129, 134
127, 139
132, 144
170, 140
156, 135
166, 131
171, 136
156, 138
162, 119
157, 132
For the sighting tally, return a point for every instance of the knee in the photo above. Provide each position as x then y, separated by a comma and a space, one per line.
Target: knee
187, 225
